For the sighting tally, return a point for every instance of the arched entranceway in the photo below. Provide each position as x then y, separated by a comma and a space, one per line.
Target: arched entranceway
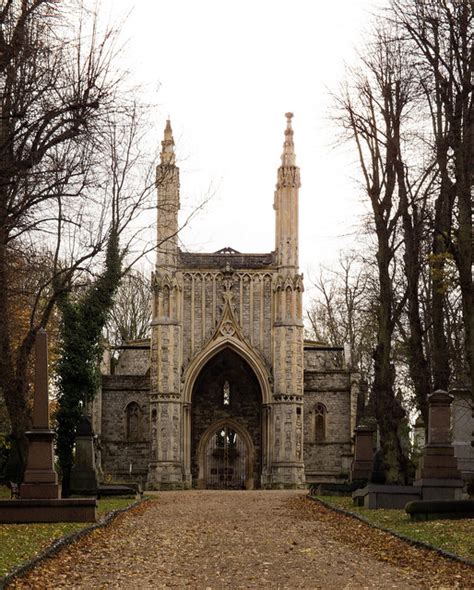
226, 424
226, 457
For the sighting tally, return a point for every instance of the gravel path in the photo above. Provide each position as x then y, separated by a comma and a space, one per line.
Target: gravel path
215, 540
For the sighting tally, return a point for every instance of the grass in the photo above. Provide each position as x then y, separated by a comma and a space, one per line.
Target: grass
454, 536
21, 542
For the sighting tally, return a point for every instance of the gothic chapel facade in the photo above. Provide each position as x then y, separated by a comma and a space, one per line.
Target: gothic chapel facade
227, 393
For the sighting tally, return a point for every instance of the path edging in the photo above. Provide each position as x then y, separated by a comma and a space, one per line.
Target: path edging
409, 540
64, 541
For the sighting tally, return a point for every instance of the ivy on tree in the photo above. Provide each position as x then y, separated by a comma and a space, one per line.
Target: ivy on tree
80, 352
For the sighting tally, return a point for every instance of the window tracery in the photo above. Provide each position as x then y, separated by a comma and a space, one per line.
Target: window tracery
226, 394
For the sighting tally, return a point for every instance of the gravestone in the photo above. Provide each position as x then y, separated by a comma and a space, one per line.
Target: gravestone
40, 479
83, 473
363, 452
437, 472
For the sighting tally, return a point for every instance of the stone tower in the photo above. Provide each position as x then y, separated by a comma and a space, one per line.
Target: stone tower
166, 332
287, 403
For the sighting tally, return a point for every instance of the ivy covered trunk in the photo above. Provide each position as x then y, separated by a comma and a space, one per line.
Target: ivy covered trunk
80, 352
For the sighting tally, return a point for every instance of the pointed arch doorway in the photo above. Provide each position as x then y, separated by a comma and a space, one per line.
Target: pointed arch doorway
226, 457
226, 424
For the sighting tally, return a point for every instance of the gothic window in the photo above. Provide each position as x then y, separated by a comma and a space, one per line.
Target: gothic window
133, 415
226, 394
319, 423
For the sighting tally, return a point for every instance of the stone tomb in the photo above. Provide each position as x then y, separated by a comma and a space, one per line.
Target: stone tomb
39, 493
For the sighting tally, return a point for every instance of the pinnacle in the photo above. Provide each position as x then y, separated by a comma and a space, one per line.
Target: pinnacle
288, 158
167, 145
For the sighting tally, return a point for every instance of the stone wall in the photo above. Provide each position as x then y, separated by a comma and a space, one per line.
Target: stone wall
462, 425
118, 452
202, 306
134, 358
326, 382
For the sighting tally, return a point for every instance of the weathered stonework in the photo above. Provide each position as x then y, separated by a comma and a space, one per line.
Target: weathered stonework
228, 324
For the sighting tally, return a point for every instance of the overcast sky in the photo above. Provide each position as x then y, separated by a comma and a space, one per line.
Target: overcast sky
226, 72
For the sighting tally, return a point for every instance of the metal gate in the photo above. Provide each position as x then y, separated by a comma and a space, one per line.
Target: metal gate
226, 457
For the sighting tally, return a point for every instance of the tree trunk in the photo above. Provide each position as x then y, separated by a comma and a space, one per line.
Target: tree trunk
388, 410
418, 365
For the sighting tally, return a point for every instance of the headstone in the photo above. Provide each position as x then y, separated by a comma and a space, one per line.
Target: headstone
419, 434
40, 479
437, 472
363, 452
83, 473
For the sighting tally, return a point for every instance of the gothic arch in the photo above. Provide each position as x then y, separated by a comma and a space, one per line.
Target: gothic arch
239, 347
204, 441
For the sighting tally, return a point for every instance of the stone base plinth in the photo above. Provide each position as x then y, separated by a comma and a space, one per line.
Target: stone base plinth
37, 510
84, 482
286, 476
165, 476
375, 496
438, 462
440, 489
361, 470
30, 491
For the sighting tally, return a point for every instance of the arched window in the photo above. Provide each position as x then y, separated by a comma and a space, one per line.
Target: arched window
320, 423
133, 416
226, 394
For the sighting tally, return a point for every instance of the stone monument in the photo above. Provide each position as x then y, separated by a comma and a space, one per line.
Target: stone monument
361, 467
39, 493
438, 473
40, 479
83, 473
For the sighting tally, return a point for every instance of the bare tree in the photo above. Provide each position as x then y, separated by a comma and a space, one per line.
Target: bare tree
55, 88
343, 310
130, 316
442, 37
370, 110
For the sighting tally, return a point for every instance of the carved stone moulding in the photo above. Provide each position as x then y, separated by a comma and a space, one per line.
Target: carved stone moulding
160, 397
288, 398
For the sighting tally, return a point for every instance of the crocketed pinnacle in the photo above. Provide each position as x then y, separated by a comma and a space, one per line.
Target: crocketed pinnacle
288, 157
167, 145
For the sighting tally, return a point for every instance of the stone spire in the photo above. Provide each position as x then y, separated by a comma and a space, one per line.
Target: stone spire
288, 157
288, 173
286, 203
167, 155
167, 184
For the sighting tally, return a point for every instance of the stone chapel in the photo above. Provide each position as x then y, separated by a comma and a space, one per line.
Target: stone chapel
227, 393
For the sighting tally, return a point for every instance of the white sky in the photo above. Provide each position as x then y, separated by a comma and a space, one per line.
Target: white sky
226, 72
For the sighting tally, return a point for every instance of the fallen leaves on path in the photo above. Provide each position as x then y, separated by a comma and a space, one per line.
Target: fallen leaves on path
239, 540
437, 571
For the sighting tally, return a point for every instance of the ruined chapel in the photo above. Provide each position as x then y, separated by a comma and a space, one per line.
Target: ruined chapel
227, 393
